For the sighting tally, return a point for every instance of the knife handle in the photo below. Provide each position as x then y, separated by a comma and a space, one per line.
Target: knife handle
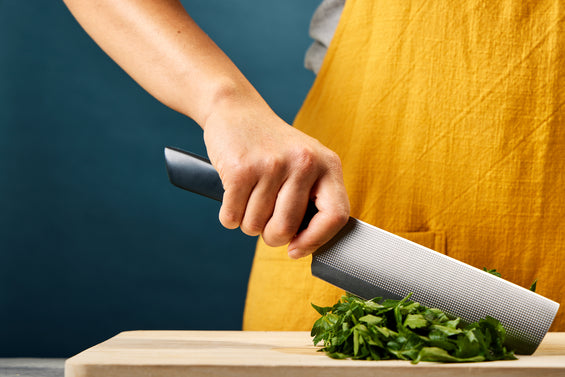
193, 173
196, 174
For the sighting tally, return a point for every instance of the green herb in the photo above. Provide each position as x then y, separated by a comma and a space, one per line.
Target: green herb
402, 329
533, 286
495, 273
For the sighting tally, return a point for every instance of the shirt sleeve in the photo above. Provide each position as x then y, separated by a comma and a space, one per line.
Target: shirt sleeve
322, 28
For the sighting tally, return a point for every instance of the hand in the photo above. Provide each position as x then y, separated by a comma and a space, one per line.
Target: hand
270, 171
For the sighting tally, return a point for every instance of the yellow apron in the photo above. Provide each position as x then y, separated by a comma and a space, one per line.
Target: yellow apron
448, 117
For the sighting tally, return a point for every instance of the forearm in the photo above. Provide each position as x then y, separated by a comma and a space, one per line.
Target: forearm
159, 45
270, 170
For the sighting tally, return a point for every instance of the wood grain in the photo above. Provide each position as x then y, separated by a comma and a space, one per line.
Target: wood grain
274, 354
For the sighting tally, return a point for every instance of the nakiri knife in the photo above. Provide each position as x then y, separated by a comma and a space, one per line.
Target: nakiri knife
370, 262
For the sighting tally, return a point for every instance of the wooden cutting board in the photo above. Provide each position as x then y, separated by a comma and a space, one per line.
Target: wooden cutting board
274, 354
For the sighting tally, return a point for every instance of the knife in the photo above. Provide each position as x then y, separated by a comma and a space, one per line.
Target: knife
370, 262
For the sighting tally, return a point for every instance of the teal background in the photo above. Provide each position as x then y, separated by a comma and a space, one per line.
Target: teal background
94, 240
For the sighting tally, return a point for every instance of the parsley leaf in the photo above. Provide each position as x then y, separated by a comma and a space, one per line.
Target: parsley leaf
402, 329
533, 286
495, 273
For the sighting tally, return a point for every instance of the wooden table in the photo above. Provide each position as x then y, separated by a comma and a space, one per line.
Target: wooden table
274, 354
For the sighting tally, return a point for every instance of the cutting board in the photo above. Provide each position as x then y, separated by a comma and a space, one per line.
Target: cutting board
275, 354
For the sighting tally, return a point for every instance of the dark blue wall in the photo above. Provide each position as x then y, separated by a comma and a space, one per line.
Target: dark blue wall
93, 238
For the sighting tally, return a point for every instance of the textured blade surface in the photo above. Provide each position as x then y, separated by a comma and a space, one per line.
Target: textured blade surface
370, 262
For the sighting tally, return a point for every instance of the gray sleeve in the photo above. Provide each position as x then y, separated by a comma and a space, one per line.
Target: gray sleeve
322, 28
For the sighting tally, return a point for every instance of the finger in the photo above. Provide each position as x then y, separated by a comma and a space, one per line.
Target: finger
333, 213
234, 202
260, 206
288, 212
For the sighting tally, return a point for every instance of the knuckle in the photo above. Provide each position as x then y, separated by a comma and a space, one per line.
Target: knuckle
272, 166
237, 178
235, 173
333, 161
339, 218
305, 160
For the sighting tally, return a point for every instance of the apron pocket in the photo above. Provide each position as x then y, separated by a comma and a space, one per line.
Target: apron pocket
434, 240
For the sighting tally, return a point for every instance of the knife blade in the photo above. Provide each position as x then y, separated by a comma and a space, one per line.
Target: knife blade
370, 262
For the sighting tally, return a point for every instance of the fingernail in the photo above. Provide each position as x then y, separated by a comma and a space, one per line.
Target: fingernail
294, 253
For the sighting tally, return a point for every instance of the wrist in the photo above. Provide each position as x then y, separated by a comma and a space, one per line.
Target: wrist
227, 98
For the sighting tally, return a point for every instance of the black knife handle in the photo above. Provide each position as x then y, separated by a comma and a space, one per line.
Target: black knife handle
193, 173
196, 174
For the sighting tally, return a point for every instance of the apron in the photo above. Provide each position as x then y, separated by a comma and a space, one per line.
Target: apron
448, 118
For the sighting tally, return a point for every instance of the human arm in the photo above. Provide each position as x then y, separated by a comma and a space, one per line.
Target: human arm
269, 169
